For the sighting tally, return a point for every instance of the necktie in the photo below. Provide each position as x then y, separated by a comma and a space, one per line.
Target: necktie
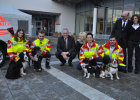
65, 43
123, 25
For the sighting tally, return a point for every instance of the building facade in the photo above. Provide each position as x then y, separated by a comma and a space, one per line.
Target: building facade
47, 15
108, 11
96, 16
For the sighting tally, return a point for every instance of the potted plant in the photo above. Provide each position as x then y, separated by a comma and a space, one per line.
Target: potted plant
55, 34
59, 34
75, 36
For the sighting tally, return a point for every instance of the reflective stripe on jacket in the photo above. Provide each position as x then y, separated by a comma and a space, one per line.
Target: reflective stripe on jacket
16, 47
93, 52
44, 45
117, 52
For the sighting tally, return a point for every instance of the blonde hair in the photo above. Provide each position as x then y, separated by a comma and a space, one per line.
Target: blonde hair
83, 34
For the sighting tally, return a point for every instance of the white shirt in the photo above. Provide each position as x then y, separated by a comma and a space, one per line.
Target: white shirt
110, 52
135, 26
124, 22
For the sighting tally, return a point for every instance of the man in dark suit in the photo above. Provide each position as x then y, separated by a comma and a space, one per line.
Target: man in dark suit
120, 31
65, 48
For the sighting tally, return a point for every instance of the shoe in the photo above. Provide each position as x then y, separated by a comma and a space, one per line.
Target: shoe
62, 64
97, 76
70, 64
130, 70
136, 72
125, 71
48, 67
39, 70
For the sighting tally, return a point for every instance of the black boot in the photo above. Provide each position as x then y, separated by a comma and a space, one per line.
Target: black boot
97, 72
37, 66
47, 63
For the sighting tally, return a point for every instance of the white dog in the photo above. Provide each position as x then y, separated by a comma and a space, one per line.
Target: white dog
112, 69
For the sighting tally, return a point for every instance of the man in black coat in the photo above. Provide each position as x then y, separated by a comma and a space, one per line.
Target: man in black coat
120, 31
65, 48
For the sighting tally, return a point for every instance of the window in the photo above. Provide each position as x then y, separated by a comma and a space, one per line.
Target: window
23, 24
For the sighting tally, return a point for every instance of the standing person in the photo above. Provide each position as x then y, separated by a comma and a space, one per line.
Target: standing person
120, 30
80, 42
45, 47
17, 44
65, 48
90, 52
134, 42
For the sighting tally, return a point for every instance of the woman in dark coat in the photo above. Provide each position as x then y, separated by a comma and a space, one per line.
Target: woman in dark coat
134, 43
79, 43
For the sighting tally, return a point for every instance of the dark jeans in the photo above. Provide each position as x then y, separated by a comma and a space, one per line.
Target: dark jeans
131, 46
60, 57
37, 64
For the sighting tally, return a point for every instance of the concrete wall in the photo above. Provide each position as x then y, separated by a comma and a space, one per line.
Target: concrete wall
67, 13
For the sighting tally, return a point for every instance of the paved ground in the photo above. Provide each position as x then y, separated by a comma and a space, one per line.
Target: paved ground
67, 83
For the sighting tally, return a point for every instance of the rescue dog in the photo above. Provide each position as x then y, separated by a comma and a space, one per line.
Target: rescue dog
17, 66
89, 69
112, 69
36, 52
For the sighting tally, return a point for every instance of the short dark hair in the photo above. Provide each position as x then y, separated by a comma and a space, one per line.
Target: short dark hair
112, 36
135, 15
42, 32
90, 34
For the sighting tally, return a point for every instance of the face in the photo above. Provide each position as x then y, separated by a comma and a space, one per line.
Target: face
81, 37
65, 33
20, 34
89, 38
41, 36
135, 20
124, 16
112, 41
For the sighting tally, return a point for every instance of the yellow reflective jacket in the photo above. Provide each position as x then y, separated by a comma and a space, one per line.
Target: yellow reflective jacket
44, 45
86, 53
117, 52
15, 47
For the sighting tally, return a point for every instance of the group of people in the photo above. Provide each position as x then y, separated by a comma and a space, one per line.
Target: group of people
125, 34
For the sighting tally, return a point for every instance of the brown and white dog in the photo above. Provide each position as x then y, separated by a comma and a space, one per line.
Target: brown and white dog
112, 69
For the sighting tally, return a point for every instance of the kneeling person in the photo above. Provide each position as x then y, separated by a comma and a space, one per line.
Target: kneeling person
45, 47
65, 48
112, 50
91, 52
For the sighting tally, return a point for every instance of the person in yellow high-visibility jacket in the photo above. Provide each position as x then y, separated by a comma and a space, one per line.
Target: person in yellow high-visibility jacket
111, 50
45, 47
90, 52
17, 44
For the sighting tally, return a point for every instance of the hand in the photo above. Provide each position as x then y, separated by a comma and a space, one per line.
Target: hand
90, 58
65, 57
83, 67
63, 53
32, 58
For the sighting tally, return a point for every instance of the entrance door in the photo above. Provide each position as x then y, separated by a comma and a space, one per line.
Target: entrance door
38, 26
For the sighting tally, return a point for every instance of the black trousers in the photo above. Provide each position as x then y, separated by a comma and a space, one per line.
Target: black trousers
60, 57
131, 46
123, 44
37, 64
